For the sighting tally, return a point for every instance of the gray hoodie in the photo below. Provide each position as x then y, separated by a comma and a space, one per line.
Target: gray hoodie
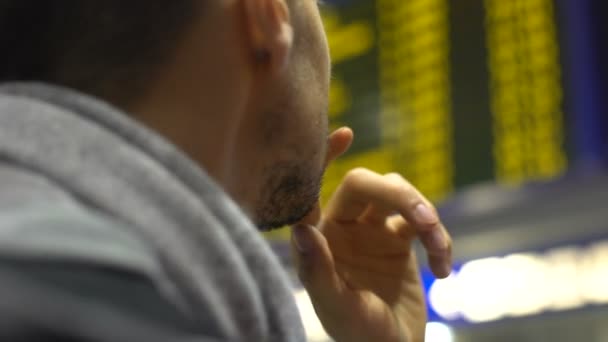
86, 193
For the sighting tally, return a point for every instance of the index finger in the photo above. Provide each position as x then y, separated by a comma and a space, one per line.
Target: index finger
440, 261
362, 188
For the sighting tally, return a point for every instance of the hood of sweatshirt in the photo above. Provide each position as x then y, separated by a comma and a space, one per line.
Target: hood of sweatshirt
205, 254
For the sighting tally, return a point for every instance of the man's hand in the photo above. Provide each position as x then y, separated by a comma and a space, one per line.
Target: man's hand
358, 264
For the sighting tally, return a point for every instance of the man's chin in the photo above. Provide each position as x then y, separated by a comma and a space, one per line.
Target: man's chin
270, 225
291, 192
266, 225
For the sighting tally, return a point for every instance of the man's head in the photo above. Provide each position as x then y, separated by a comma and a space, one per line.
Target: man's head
240, 85
91, 45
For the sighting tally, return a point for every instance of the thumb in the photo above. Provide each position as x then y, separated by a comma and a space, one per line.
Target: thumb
315, 265
313, 217
338, 143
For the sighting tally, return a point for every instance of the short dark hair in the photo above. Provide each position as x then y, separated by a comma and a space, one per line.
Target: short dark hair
95, 46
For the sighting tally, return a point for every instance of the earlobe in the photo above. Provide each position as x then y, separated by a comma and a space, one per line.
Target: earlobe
269, 31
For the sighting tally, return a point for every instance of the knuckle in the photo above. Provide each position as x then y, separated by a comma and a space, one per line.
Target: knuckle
403, 188
396, 179
355, 176
397, 182
357, 172
394, 176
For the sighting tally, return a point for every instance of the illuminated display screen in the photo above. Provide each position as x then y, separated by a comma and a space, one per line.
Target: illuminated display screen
521, 284
448, 93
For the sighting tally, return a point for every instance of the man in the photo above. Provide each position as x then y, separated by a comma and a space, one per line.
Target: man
110, 233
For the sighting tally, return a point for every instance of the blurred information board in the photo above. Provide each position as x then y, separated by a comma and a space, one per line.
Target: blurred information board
448, 93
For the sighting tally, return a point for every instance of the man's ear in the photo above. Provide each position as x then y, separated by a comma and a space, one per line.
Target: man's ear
268, 32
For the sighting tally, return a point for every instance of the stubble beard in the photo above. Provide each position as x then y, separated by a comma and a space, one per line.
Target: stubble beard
290, 192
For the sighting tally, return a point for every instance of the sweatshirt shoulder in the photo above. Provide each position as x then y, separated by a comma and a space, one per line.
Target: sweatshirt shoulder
39, 221
53, 301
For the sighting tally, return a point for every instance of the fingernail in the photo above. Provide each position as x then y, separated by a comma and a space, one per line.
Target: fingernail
424, 215
438, 240
303, 238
